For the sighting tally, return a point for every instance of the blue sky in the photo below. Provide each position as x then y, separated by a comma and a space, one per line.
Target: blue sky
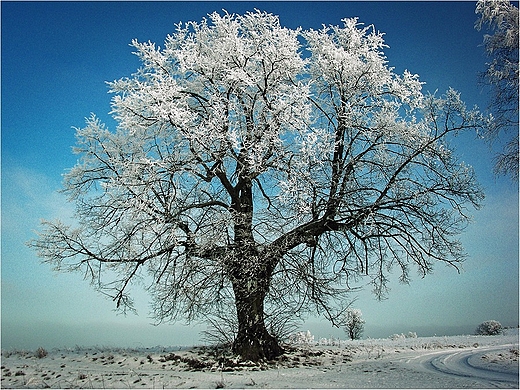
56, 58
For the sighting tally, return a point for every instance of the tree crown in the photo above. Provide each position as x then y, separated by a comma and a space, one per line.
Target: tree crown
255, 156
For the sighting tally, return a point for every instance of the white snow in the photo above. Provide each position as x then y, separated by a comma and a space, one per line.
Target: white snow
422, 362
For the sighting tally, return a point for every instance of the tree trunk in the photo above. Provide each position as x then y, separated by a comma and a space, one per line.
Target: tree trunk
251, 276
253, 341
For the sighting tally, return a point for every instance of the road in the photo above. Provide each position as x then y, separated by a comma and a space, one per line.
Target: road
483, 364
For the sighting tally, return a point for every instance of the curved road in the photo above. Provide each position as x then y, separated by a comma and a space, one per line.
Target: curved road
467, 362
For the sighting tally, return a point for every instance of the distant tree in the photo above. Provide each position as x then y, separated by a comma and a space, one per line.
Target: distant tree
502, 75
489, 328
354, 324
246, 174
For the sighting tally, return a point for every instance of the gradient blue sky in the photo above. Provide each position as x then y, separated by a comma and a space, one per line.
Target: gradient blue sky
55, 60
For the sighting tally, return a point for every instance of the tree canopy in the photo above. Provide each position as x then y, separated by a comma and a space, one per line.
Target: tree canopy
267, 168
502, 74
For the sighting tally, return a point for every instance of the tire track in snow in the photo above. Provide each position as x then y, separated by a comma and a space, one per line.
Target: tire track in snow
463, 363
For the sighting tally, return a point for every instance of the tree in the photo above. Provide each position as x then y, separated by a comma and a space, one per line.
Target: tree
354, 324
502, 75
244, 173
489, 328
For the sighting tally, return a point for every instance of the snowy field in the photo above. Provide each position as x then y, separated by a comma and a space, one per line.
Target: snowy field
423, 362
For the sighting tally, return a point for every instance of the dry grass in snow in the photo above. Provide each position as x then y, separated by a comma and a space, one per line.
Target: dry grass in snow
423, 362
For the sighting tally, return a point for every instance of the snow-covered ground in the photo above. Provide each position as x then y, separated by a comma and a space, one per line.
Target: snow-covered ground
423, 362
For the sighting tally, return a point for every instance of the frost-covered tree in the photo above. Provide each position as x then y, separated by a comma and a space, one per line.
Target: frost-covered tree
502, 75
353, 323
489, 328
261, 170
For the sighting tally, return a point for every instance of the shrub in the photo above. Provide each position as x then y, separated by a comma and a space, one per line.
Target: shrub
402, 336
41, 352
301, 338
331, 342
489, 328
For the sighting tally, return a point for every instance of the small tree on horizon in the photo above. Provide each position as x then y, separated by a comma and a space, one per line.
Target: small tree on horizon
489, 328
354, 324
257, 169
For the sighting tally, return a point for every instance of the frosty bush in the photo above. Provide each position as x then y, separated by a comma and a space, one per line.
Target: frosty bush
41, 353
330, 342
301, 338
489, 328
402, 336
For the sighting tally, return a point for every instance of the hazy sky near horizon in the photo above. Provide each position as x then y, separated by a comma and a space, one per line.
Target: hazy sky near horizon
56, 57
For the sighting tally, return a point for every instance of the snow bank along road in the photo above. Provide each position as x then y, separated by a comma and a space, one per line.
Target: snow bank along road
491, 366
